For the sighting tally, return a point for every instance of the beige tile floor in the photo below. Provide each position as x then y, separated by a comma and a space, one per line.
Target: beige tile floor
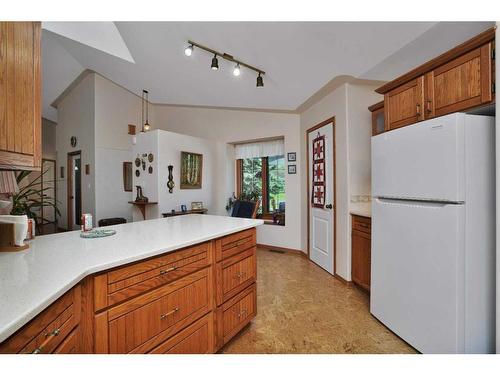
303, 309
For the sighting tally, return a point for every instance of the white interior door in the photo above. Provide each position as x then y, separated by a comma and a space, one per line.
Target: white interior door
321, 220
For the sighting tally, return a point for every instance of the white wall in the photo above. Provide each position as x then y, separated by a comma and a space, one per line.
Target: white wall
48, 139
359, 135
166, 148
76, 118
115, 108
348, 104
230, 126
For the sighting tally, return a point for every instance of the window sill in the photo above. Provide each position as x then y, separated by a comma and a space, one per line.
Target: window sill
270, 222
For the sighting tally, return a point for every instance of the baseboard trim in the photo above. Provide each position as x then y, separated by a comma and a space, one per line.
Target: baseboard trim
343, 281
285, 249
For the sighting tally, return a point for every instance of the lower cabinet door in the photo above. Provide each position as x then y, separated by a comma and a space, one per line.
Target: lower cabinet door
361, 259
198, 338
235, 274
144, 322
235, 314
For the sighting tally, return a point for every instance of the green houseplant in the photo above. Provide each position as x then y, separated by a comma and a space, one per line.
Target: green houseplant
31, 197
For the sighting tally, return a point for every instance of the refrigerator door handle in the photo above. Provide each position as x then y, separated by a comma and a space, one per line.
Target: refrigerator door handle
416, 203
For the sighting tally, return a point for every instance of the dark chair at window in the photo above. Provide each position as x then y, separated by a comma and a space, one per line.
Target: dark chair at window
245, 209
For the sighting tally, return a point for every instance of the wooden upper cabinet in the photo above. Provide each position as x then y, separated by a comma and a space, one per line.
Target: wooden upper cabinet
460, 79
462, 83
20, 114
403, 105
378, 117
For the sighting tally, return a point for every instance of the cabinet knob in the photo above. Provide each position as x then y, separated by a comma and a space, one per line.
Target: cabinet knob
429, 106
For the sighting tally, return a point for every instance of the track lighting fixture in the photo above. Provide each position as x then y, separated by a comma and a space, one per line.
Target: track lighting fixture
236, 70
260, 81
215, 62
189, 50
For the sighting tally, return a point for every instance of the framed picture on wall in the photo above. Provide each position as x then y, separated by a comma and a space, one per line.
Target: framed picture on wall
292, 169
292, 156
191, 170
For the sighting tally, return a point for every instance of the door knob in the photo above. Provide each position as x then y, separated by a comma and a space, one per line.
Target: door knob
329, 206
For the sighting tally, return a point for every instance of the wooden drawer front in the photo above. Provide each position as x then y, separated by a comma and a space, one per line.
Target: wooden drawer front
361, 223
235, 314
198, 338
143, 322
235, 274
45, 332
403, 105
69, 344
130, 281
228, 246
460, 84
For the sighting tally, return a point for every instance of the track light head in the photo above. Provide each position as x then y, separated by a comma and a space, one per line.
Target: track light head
189, 50
236, 70
260, 81
215, 63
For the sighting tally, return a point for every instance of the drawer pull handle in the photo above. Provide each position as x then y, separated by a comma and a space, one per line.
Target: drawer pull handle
240, 275
243, 313
49, 337
163, 316
163, 272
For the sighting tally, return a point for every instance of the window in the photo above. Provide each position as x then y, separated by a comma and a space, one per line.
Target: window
263, 179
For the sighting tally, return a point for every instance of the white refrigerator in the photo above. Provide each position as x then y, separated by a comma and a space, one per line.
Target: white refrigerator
433, 233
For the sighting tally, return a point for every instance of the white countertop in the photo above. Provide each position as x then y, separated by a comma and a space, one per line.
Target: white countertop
361, 209
31, 280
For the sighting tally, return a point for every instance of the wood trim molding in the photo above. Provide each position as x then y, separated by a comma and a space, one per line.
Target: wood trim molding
321, 124
279, 248
469, 45
376, 106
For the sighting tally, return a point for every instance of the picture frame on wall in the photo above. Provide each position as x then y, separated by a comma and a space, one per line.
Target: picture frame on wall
292, 156
191, 170
197, 205
292, 169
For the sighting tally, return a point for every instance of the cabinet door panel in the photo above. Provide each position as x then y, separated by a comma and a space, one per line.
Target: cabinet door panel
403, 105
460, 84
20, 116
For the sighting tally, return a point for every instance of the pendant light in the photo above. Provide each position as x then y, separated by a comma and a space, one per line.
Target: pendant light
189, 50
145, 99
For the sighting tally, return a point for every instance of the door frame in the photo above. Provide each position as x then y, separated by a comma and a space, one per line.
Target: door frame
69, 188
331, 121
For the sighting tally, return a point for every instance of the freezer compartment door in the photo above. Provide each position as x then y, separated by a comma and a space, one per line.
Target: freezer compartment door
421, 161
417, 268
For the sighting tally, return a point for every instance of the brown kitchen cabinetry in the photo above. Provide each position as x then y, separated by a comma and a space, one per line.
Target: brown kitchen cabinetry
378, 118
361, 251
20, 109
460, 79
192, 300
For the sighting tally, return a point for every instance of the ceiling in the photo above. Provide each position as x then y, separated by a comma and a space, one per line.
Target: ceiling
299, 58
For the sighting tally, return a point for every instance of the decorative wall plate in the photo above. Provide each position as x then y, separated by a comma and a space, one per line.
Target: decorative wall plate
137, 162
137, 173
150, 169
150, 158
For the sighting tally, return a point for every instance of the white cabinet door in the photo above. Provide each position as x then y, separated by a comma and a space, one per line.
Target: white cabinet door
421, 161
417, 272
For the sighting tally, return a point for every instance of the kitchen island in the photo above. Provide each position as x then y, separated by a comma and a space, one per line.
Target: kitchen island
133, 292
